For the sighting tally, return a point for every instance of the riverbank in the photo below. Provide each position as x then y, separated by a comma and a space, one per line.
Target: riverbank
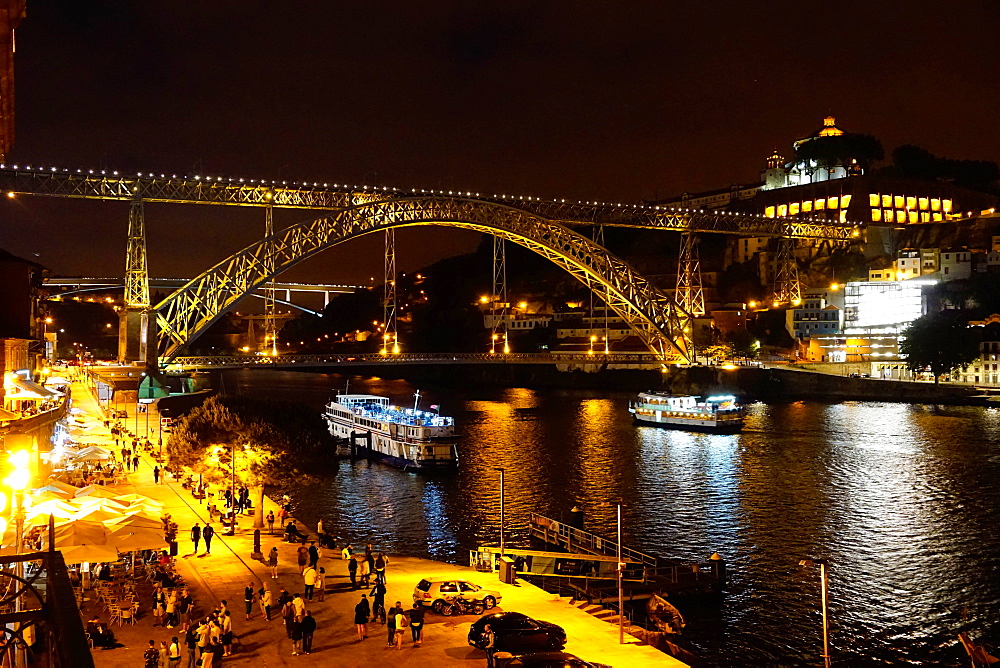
223, 575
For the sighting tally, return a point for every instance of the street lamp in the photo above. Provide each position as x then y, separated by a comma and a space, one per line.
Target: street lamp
822, 563
18, 480
621, 595
500, 468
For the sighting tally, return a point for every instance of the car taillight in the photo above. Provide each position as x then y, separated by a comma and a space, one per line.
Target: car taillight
427, 594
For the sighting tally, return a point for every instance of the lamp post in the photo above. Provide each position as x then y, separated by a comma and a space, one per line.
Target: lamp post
621, 595
500, 468
18, 480
822, 563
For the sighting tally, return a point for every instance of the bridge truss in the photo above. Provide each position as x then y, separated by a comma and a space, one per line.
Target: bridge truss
660, 324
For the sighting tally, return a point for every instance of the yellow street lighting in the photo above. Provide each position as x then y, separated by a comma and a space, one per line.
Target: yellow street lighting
522, 305
835, 286
752, 304
484, 299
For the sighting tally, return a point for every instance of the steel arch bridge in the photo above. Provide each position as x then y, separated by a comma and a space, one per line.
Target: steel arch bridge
661, 324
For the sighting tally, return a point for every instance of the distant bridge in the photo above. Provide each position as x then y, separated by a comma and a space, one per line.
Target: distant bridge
180, 364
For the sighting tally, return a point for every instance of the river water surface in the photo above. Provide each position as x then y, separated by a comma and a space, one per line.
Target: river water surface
903, 500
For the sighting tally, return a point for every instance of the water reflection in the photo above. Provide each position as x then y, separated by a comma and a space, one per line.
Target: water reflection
903, 500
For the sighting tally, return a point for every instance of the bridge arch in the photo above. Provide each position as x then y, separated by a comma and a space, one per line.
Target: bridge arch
186, 313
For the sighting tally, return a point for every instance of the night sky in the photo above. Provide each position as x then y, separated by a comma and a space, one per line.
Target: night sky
613, 101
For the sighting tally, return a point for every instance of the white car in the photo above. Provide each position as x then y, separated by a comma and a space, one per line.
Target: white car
435, 591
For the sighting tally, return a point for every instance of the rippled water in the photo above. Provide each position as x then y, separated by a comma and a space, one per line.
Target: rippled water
903, 500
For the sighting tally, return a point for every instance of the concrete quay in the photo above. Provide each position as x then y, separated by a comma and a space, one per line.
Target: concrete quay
224, 573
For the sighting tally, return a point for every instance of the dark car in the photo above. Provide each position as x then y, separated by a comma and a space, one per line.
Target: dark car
543, 660
515, 632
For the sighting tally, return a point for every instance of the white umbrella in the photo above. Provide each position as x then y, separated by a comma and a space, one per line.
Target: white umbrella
133, 498
77, 554
92, 454
81, 533
52, 489
129, 540
147, 508
95, 515
134, 521
41, 515
96, 490
106, 502
64, 486
56, 505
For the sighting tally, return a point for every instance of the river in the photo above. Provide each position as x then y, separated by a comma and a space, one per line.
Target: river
903, 500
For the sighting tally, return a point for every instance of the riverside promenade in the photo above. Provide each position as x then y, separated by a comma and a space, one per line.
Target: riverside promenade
224, 573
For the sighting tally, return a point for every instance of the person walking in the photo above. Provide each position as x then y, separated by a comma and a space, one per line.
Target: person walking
248, 599
288, 615
321, 584
308, 628
265, 604
378, 602
303, 556
135, 463
270, 522
156, 475
313, 554
207, 534
417, 624
272, 562
309, 580
296, 637
362, 611
364, 572
401, 622
352, 570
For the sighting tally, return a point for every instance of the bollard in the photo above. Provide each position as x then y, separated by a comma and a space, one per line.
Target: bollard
257, 554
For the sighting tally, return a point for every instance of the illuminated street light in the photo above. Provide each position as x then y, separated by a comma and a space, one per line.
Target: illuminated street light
808, 563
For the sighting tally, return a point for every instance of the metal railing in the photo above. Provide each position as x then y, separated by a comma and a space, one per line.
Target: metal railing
579, 538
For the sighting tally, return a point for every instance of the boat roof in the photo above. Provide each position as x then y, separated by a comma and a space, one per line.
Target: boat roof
359, 397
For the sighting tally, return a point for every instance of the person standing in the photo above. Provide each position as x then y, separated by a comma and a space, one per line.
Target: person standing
207, 534
248, 599
401, 621
164, 654
417, 624
151, 656
288, 615
265, 603
174, 653
347, 552
378, 601
191, 647
135, 463
364, 572
362, 611
171, 609
184, 608
380, 563
299, 606
227, 633
270, 522
296, 637
308, 628
352, 570
156, 475
159, 606
319, 527
390, 624
321, 585
272, 562
313, 554
309, 580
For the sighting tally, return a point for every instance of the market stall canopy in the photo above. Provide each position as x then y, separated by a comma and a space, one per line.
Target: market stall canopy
43, 514
89, 553
65, 486
58, 380
133, 498
96, 514
7, 415
127, 539
28, 389
53, 489
48, 495
90, 502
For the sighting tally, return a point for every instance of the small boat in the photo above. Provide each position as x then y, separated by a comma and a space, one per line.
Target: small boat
664, 615
409, 438
716, 413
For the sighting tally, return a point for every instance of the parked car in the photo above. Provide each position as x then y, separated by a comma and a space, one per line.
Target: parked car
516, 632
435, 591
543, 660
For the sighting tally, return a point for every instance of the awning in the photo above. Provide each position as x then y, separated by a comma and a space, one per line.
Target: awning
30, 390
6, 415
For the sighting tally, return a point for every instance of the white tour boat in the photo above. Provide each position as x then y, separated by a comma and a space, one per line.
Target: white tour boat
404, 437
717, 413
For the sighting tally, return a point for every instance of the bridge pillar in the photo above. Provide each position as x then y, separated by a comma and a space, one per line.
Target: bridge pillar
787, 288
137, 339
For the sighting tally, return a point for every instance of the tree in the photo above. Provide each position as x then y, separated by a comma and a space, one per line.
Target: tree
941, 341
271, 442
